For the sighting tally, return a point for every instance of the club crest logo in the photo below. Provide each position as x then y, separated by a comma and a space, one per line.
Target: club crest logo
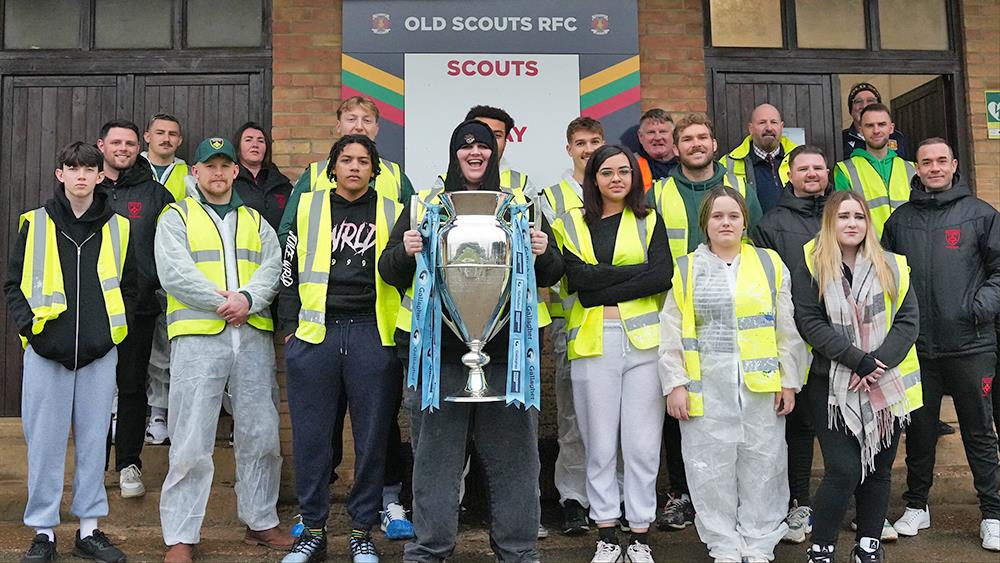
135, 209
470, 138
600, 24
216, 143
281, 199
952, 237
381, 24
987, 386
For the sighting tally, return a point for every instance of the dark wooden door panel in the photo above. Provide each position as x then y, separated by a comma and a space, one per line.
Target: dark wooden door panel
926, 111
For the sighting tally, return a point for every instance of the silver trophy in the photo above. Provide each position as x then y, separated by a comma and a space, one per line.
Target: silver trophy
474, 270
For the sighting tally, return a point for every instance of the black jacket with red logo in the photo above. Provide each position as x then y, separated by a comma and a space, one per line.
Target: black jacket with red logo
951, 240
267, 193
140, 198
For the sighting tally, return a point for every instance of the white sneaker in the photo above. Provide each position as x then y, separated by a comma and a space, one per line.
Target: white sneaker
799, 522
156, 431
607, 553
543, 532
130, 482
638, 553
912, 521
989, 531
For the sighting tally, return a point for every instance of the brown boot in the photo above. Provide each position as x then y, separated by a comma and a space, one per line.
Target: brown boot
179, 553
273, 538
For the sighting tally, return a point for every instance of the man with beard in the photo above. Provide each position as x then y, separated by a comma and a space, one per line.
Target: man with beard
134, 194
656, 146
876, 172
765, 167
677, 199
792, 223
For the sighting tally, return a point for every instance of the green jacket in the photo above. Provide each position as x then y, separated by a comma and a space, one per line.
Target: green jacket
883, 167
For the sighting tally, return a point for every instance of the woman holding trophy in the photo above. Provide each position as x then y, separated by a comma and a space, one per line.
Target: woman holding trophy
618, 266
733, 361
462, 274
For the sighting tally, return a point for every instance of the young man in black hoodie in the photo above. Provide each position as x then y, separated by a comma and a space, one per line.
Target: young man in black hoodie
133, 193
791, 224
952, 242
72, 266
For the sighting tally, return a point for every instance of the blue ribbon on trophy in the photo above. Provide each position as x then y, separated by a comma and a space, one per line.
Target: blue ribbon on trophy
425, 330
522, 352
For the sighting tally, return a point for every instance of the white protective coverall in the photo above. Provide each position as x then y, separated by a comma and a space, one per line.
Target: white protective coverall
735, 455
200, 367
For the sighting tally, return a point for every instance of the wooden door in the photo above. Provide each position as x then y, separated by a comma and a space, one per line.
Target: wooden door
804, 100
40, 115
927, 111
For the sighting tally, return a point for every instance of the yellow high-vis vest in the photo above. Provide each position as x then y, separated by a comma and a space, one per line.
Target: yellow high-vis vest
314, 250
670, 205
175, 180
882, 199
640, 317
909, 368
757, 284
509, 180
42, 277
389, 182
562, 197
738, 161
208, 253
404, 321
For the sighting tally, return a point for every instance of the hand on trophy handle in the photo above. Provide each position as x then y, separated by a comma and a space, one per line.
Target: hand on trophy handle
539, 242
412, 242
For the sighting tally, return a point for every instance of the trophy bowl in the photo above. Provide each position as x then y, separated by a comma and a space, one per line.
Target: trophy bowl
474, 268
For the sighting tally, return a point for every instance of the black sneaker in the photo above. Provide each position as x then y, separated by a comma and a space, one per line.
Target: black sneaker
944, 429
42, 549
575, 521
362, 547
861, 556
677, 514
97, 547
823, 555
308, 548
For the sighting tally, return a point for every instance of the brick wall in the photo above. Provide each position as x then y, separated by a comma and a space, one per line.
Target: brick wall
981, 19
672, 55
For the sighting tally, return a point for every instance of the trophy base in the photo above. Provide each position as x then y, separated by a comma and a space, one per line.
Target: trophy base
476, 397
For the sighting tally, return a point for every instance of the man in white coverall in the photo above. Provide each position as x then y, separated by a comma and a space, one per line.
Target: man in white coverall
219, 264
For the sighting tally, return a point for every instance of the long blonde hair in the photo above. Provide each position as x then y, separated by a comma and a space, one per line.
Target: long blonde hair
827, 256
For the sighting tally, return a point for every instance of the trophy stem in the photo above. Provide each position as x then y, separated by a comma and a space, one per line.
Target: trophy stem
476, 389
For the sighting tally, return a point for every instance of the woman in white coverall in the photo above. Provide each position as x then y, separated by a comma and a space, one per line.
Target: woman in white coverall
732, 361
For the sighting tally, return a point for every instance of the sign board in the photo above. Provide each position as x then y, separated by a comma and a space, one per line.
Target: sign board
426, 63
993, 114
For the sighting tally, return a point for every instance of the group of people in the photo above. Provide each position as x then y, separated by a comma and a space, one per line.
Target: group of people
730, 310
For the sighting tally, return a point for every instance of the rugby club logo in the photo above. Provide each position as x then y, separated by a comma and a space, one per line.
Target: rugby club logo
381, 24
600, 24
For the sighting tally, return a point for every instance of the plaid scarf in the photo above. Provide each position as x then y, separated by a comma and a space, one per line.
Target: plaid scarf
857, 310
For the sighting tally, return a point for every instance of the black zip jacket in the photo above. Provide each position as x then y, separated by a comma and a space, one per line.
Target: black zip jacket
81, 334
952, 242
397, 269
140, 198
830, 343
350, 291
268, 193
790, 225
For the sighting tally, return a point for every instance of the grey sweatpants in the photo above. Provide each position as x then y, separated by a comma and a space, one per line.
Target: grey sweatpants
619, 404
52, 399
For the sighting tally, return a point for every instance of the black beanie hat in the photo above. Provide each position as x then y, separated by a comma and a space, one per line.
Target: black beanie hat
861, 87
469, 132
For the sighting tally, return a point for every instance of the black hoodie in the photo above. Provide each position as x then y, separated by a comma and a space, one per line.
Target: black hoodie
82, 333
267, 193
140, 198
951, 240
790, 225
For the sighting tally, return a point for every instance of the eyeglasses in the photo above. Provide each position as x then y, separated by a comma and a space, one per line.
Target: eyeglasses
864, 101
608, 173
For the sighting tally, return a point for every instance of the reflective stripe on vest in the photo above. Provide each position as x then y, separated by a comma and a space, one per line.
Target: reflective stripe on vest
404, 318
562, 197
639, 317
739, 160
314, 251
882, 199
388, 183
42, 279
175, 181
670, 205
909, 368
757, 284
208, 254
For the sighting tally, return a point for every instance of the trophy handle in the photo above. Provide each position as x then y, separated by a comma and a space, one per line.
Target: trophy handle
414, 202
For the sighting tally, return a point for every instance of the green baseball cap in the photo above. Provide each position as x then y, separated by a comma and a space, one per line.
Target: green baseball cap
213, 146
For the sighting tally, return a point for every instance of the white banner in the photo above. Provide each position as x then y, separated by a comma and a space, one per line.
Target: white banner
541, 93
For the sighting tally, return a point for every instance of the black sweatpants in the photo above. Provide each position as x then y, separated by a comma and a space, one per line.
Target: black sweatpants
395, 461
350, 363
969, 381
800, 435
842, 475
133, 367
675, 459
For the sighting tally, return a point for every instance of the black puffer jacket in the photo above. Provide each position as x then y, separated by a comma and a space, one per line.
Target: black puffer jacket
81, 334
790, 225
139, 198
268, 193
952, 242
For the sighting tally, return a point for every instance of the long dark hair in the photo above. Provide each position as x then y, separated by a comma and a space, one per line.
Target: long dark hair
341, 144
593, 203
266, 163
